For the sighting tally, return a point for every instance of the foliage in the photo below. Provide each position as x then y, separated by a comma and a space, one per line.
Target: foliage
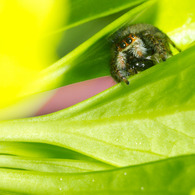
106, 144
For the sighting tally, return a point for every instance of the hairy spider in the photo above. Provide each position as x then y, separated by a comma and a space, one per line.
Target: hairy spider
136, 48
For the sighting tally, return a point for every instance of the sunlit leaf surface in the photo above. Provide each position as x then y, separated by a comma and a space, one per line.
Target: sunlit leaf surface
159, 178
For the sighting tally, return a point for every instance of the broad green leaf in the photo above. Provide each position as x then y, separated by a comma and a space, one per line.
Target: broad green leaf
171, 177
149, 120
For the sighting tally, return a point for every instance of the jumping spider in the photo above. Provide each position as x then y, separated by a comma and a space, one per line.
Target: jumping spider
136, 48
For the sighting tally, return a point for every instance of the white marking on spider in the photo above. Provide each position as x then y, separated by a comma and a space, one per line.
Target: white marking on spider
121, 60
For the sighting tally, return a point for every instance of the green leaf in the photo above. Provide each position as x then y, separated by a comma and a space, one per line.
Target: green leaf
149, 120
84, 11
171, 177
38, 150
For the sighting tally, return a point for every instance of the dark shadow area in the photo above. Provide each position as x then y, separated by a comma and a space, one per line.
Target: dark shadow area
73, 37
41, 150
13, 168
7, 192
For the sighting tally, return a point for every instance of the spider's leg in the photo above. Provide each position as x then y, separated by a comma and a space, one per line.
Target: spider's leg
159, 43
173, 44
122, 77
118, 68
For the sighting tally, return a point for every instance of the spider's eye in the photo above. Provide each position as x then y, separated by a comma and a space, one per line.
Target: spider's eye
122, 45
128, 40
